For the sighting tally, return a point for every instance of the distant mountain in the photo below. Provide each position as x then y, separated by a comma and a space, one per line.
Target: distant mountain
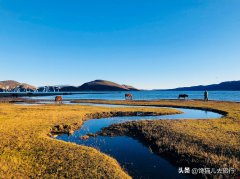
103, 85
11, 85
97, 85
224, 86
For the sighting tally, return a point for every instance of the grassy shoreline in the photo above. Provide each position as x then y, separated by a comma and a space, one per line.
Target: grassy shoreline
195, 143
26, 150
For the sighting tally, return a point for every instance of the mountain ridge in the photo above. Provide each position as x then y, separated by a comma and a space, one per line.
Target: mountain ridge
96, 85
104, 85
99, 85
9, 85
223, 86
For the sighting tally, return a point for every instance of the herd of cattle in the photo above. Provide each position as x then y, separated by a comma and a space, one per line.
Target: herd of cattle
128, 96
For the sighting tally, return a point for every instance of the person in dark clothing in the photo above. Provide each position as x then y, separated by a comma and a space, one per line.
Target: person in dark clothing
205, 95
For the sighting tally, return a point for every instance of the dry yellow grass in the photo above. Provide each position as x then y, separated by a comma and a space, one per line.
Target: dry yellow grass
209, 143
26, 151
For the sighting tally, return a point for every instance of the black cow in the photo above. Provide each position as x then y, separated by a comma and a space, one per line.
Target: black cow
184, 96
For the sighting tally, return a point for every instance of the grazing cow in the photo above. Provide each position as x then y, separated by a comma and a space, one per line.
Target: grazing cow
58, 99
128, 96
184, 96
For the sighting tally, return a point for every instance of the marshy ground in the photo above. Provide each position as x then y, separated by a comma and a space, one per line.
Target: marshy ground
26, 150
195, 143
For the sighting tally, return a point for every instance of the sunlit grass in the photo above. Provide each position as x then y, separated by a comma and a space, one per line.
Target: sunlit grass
26, 150
202, 142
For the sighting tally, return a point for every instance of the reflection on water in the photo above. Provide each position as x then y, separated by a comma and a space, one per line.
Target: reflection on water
137, 159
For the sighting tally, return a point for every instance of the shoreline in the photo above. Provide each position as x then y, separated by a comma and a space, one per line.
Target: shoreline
173, 150
186, 142
119, 95
196, 138
32, 94
122, 102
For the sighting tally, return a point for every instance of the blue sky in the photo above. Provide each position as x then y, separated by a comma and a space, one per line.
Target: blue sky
148, 44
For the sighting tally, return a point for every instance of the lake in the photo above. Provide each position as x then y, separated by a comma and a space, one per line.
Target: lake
152, 95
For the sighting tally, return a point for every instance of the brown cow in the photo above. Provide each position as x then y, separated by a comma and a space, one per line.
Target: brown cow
128, 96
58, 99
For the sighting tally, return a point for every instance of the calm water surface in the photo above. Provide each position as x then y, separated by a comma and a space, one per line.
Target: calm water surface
154, 95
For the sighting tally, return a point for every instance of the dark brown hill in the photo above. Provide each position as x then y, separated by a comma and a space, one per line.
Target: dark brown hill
103, 85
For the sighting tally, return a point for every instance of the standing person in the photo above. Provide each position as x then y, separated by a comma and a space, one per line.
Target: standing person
205, 95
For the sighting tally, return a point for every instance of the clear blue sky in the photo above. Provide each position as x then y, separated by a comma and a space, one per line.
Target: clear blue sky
145, 43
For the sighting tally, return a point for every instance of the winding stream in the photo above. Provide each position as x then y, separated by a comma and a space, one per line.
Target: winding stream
136, 158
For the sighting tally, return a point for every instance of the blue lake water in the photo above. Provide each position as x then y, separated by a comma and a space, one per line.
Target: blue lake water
136, 158
153, 95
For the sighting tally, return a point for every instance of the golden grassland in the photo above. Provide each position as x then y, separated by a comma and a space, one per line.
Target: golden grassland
27, 151
201, 142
